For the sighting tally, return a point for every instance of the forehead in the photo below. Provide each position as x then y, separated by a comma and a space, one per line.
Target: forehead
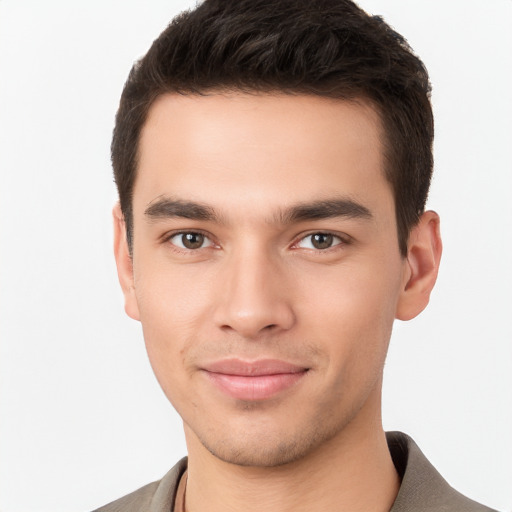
267, 149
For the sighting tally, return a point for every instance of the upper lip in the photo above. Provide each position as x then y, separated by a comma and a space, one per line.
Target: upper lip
252, 368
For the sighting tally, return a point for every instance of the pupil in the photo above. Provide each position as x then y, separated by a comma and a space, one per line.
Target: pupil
192, 240
322, 240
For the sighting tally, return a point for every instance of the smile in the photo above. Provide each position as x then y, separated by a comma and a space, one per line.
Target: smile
252, 381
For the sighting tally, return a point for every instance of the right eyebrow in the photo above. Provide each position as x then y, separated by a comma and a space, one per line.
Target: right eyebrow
168, 208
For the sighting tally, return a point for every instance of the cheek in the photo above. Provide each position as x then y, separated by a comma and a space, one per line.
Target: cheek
170, 297
172, 307
357, 340
351, 315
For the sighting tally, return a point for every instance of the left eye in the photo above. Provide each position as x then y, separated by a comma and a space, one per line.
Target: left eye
190, 240
319, 241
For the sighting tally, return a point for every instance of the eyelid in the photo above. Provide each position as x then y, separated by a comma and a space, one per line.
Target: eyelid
344, 239
167, 237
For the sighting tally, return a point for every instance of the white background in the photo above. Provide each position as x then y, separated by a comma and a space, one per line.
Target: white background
82, 420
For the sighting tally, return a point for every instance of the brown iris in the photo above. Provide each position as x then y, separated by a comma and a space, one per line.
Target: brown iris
192, 240
321, 240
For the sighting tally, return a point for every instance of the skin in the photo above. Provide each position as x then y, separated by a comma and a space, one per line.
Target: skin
256, 287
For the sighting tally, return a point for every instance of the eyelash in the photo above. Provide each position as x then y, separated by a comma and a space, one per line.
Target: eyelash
184, 250
343, 240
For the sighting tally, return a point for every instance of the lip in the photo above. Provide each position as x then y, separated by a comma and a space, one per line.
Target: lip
253, 380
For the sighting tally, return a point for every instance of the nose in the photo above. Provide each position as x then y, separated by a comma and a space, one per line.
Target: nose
253, 298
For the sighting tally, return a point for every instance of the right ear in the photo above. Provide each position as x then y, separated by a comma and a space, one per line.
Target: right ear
124, 264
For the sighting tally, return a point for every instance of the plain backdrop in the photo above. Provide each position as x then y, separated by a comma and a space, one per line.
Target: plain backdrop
82, 419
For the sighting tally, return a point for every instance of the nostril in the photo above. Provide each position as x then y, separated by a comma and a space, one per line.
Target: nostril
250, 319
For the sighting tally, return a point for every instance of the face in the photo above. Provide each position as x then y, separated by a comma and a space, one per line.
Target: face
266, 269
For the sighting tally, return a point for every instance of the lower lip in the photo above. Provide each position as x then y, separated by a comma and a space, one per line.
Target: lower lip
252, 388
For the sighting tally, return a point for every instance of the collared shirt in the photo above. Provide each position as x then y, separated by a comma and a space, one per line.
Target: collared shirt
422, 489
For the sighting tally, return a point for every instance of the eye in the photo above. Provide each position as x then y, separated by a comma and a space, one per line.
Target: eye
319, 241
190, 240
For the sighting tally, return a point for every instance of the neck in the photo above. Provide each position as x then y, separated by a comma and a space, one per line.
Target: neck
352, 471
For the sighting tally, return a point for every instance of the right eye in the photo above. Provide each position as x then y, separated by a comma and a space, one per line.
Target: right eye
190, 240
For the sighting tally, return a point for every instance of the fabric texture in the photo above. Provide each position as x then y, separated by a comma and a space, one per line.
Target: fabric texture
422, 489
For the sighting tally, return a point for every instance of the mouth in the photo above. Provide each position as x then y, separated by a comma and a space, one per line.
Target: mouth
253, 381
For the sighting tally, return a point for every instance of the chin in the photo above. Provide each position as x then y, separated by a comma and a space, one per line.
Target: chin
256, 457
266, 450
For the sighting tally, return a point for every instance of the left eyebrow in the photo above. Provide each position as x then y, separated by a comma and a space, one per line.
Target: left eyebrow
328, 209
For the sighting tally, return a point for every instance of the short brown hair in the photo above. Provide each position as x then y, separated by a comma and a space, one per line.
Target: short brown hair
329, 48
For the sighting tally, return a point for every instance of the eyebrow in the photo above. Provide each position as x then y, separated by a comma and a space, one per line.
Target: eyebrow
326, 209
166, 207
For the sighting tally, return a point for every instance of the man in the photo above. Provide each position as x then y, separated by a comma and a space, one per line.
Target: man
273, 160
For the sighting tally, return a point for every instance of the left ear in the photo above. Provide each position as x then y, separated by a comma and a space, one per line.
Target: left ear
423, 257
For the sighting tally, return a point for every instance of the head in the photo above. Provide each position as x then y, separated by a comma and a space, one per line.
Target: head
326, 48
273, 161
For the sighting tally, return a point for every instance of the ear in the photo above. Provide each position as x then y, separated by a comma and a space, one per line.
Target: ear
124, 264
421, 266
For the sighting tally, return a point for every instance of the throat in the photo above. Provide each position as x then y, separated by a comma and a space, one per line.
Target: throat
360, 477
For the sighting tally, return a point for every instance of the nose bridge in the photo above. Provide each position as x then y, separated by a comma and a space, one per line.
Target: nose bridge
253, 298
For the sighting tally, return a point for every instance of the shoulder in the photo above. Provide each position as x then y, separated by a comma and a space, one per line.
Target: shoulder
154, 497
423, 489
135, 501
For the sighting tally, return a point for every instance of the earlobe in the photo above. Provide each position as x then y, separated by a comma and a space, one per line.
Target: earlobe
422, 266
124, 263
